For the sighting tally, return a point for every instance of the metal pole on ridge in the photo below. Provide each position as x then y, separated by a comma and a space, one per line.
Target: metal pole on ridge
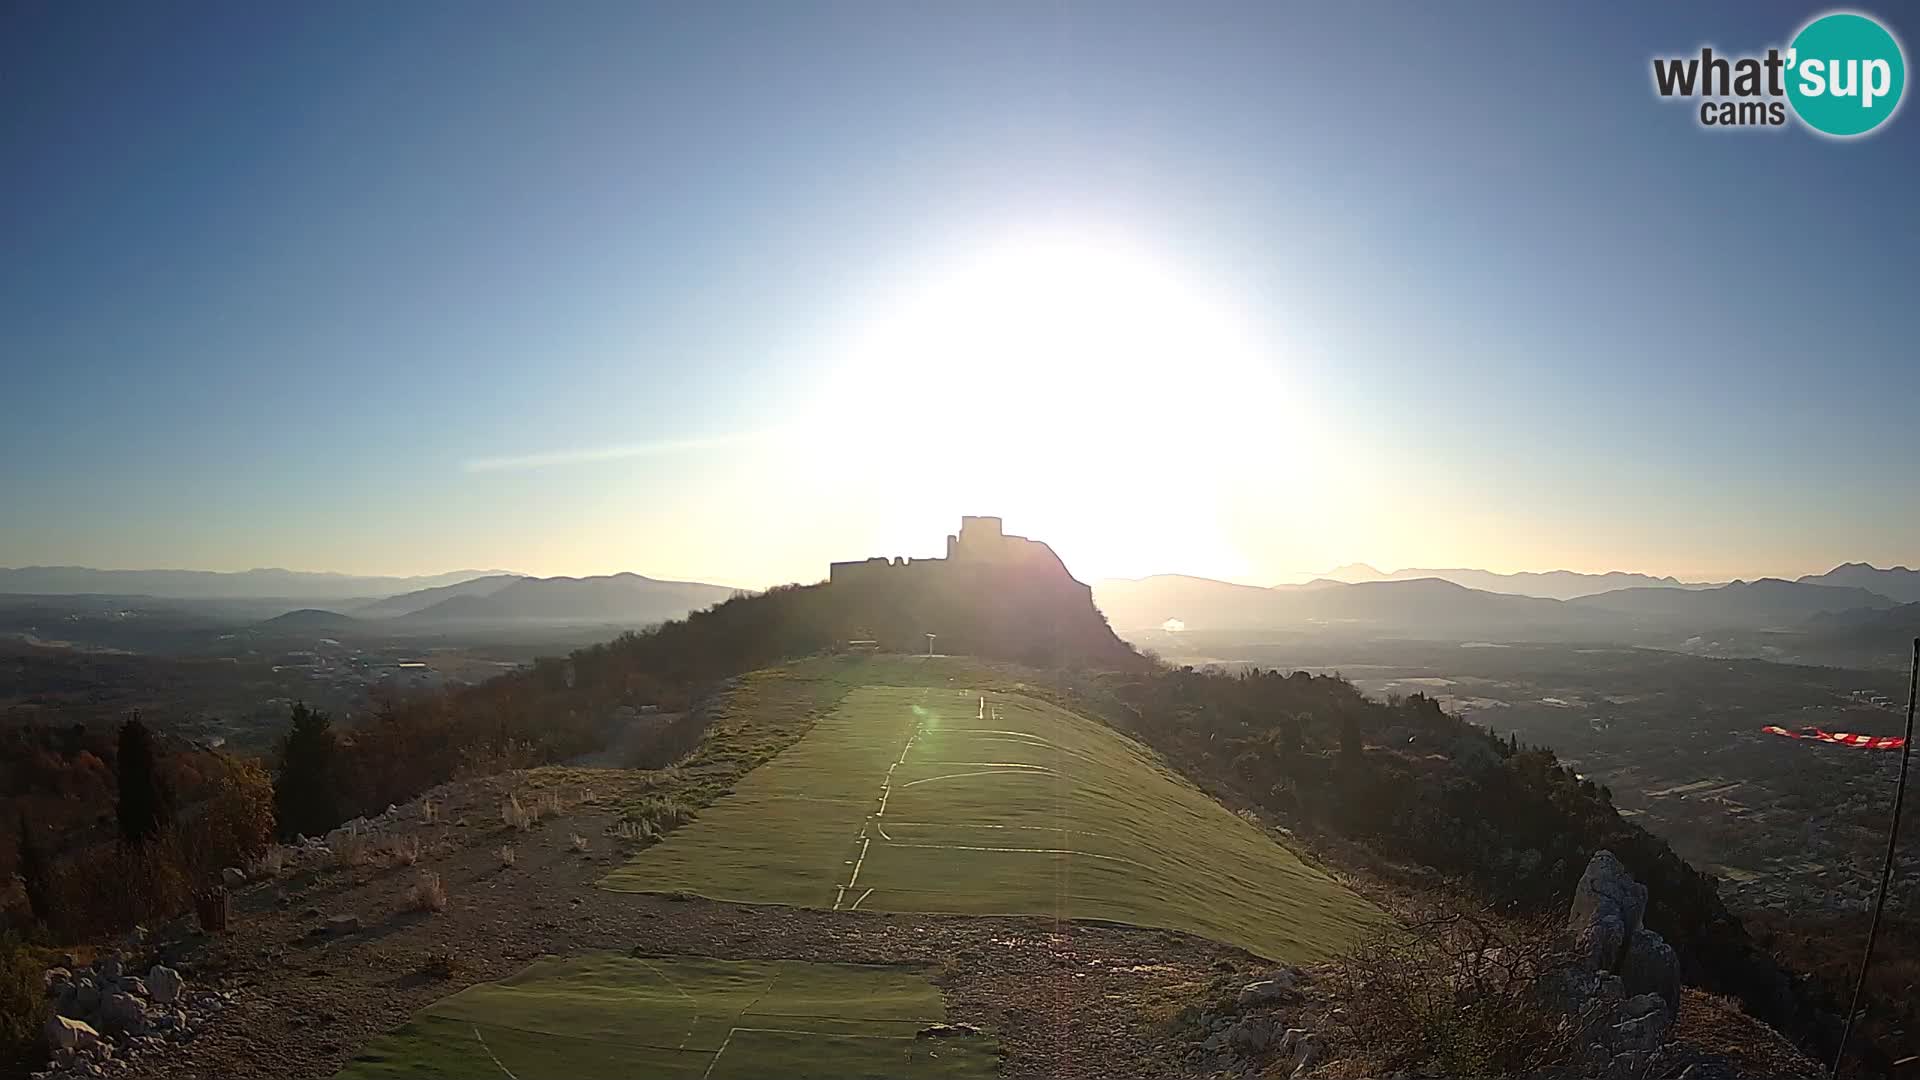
1886, 871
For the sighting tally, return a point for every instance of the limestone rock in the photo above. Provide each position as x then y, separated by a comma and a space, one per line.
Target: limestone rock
86, 997
164, 984
1651, 967
1602, 941
1251, 1035
233, 877
122, 1012
1265, 991
57, 980
66, 1033
1606, 888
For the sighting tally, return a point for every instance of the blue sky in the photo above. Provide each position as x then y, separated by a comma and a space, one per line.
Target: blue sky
571, 289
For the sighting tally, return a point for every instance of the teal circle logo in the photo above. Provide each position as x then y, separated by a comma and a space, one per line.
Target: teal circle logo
1845, 73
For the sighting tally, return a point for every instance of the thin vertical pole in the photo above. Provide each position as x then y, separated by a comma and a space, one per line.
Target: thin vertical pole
1886, 871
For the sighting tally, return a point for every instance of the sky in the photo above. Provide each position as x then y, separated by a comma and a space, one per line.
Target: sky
724, 292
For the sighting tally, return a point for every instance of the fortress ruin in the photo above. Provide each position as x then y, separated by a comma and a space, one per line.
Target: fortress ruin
980, 544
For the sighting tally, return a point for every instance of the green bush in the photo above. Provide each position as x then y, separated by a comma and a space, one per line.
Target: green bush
23, 1002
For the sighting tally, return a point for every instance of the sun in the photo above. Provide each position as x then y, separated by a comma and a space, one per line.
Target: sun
1065, 382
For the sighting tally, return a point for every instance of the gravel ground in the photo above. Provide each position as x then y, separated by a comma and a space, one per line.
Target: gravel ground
1064, 1001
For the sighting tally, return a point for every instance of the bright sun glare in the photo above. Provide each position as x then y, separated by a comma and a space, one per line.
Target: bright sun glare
1061, 380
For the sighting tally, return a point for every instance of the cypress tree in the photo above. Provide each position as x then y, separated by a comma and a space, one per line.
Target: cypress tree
303, 795
142, 809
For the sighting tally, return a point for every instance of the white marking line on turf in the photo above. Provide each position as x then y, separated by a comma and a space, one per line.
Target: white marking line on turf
863, 897
999, 731
481, 1039
983, 708
992, 764
830, 1034
886, 791
1028, 770
717, 1053
1029, 851
677, 989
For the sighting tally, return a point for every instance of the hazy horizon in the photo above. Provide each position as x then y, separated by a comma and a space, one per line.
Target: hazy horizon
927, 551
610, 287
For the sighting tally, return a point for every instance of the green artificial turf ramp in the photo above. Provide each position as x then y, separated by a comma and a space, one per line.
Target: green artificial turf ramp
607, 1016
947, 800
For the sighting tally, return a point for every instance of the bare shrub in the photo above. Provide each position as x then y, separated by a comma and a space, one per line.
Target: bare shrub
428, 893
661, 815
406, 852
429, 812
1461, 993
107, 888
440, 964
655, 779
515, 816
351, 850
505, 853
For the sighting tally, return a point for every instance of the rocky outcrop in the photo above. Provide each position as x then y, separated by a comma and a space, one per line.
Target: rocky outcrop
1625, 993
105, 1015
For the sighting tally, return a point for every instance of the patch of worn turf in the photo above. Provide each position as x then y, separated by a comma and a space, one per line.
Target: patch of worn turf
681, 1017
938, 798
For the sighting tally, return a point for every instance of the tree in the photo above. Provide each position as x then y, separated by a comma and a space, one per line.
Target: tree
35, 873
144, 808
1350, 741
1288, 736
303, 793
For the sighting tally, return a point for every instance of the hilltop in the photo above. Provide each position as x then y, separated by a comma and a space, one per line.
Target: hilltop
1050, 817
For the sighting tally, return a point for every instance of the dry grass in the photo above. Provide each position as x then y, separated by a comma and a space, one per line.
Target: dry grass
1460, 993
516, 816
505, 853
351, 851
273, 862
428, 893
429, 812
406, 852
579, 843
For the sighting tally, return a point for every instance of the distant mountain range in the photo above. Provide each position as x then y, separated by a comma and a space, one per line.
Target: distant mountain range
407, 603
1738, 603
506, 599
618, 598
1430, 606
1437, 609
1898, 583
1551, 584
209, 585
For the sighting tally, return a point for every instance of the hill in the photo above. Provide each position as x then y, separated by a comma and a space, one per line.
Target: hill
617, 598
1549, 584
1897, 583
409, 602
208, 584
1769, 600
309, 620
1424, 608
1867, 637
986, 801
